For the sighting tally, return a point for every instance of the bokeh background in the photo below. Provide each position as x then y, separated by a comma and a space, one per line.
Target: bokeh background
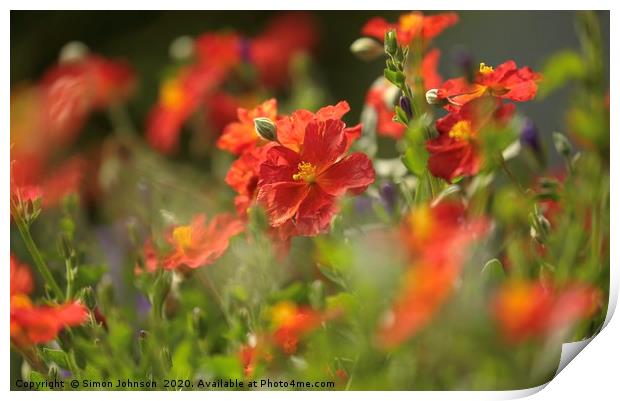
143, 38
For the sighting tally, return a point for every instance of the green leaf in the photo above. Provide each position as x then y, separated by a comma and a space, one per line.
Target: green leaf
402, 116
395, 77
59, 357
88, 275
560, 68
493, 271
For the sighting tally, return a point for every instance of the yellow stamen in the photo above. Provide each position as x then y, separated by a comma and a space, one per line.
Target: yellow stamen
282, 312
306, 171
421, 222
171, 93
485, 69
182, 235
461, 131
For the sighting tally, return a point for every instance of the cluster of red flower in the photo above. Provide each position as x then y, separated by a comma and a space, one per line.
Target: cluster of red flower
48, 116
218, 56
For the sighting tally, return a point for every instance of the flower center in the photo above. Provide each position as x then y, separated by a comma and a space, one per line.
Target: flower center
461, 131
421, 222
282, 312
410, 22
171, 94
305, 171
182, 235
485, 69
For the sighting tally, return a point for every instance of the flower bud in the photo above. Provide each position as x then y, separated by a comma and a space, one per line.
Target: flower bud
265, 128
405, 104
72, 52
181, 48
562, 144
390, 43
433, 98
366, 49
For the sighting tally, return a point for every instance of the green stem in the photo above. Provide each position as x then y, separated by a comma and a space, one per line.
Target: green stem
511, 176
37, 257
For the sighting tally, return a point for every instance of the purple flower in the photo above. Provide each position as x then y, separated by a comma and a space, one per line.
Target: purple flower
388, 196
529, 136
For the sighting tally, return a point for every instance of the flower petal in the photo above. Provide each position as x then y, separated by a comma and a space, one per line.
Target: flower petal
353, 172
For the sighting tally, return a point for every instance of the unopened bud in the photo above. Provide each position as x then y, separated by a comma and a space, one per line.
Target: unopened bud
366, 49
432, 97
405, 104
265, 128
72, 52
389, 42
181, 48
562, 144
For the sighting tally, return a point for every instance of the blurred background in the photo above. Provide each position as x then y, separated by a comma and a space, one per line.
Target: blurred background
143, 38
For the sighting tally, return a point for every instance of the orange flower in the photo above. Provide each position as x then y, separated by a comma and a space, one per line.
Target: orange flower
526, 309
437, 239
293, 322
241, 135
180, 96
32, 324
506, 81
198, 244
71, 90
411, 26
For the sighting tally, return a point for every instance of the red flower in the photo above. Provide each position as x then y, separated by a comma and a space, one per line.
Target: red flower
383, 95
454, 152
431, 77
52, 187
381, 98
411, 26
292, 322
505, 82
219, 48
529, 309
221, 108
291, 130
150, 261
437, 239
70, 91
179, 98
243, 176
21, 278
32, 324
241, 135
198, 244
271, 52
303, 186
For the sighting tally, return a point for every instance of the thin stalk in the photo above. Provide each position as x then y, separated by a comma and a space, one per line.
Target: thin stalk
37, 257
510, 175
206, 280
